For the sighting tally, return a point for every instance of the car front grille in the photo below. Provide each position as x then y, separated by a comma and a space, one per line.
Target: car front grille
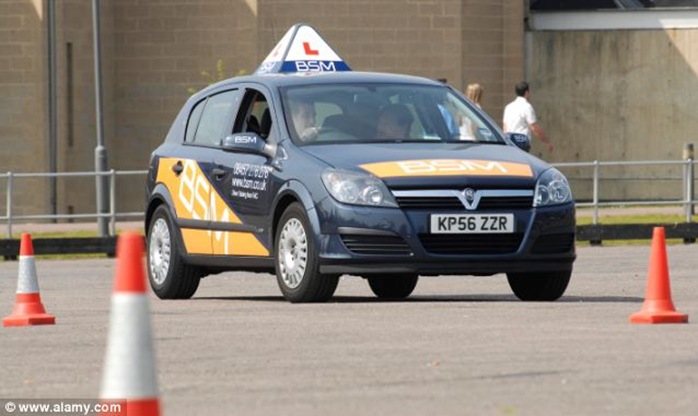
506, 203
471, 243
453, 200
376, 244
430, 203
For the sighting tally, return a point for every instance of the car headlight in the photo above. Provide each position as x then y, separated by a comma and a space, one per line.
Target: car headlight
552, 189
357, 188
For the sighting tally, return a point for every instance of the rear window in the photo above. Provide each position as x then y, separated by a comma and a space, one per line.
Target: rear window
211, 119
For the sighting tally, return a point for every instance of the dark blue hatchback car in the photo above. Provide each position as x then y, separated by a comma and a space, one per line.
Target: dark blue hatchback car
313, 176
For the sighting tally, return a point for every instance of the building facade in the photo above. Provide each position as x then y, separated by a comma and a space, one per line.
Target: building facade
155, 52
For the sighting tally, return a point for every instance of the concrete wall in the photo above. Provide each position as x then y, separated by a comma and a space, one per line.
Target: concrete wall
617, 95
154, 52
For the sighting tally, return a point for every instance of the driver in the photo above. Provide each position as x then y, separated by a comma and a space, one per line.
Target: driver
303, 115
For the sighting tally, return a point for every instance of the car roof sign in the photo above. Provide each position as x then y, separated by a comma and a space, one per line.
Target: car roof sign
302, 50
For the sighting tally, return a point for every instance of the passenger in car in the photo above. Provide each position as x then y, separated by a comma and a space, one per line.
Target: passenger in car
394, 122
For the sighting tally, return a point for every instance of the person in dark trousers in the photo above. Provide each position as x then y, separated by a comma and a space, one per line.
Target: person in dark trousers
520, 117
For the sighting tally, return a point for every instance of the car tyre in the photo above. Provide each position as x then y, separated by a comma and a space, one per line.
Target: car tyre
170, 277
297, 267
542, 286
392, 286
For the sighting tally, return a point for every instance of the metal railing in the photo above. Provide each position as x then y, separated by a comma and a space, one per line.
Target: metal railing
686, 178
112, 215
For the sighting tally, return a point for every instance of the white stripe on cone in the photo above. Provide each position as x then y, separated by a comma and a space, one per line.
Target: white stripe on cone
129, 368
26, 279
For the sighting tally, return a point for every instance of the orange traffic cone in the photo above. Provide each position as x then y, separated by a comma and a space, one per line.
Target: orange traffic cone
658, 307
28, 308
129, 367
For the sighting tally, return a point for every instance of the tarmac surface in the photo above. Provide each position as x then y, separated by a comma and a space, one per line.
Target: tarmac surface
458, 346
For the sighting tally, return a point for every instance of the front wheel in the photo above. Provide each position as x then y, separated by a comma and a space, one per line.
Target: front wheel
389, 286
541, 286
170, 277
297, 268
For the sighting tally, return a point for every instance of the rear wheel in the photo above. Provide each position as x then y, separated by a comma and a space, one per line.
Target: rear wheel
297, 268
542, 286
169, 276
392, 286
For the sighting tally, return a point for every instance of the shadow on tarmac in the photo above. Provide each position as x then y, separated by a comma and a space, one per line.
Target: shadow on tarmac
434, 299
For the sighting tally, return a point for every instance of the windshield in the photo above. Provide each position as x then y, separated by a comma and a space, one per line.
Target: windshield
360, 113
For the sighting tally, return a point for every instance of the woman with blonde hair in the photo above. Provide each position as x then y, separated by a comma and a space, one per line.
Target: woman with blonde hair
474, 93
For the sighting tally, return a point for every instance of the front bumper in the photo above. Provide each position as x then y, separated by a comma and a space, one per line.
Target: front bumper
366, 240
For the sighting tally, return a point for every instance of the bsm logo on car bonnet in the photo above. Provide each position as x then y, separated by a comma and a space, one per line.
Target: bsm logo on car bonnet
447, 167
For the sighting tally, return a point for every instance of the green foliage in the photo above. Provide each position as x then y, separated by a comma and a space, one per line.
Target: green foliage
219, 74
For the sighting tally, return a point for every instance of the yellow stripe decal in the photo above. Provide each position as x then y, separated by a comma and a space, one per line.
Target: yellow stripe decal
196, 241
446, 167
238, 243
195, 198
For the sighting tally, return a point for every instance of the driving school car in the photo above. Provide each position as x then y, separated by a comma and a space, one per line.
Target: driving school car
312, 176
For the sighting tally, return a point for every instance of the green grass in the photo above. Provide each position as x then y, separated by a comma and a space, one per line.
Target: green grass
636, 219
56, 234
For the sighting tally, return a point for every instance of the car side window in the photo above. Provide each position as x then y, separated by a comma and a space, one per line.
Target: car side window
254, 115
216, 118
193, 121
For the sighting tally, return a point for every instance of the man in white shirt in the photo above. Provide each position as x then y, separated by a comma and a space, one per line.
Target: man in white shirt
519, 116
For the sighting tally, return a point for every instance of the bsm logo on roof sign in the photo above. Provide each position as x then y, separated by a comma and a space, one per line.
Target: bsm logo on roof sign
309, 66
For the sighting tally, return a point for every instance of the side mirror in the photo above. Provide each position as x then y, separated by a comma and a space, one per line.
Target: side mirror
521, 141
247, 143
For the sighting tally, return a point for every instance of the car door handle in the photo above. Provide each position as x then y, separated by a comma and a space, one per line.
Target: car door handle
218, 173
178, 168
